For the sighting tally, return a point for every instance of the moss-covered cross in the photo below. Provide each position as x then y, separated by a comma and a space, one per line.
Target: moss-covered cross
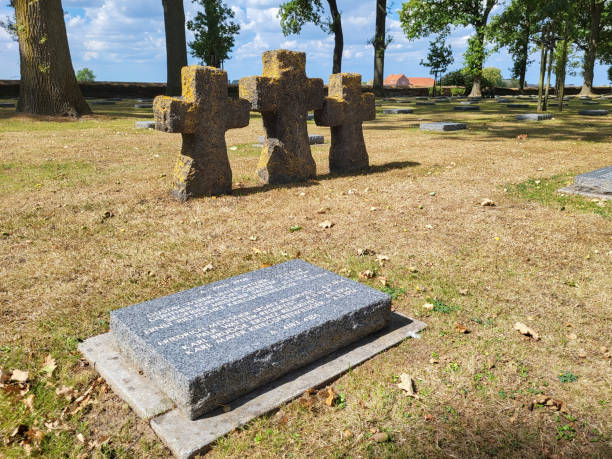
283, 95
201, 115
345, 110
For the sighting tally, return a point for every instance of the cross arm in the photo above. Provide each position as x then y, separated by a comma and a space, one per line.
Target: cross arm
367, 107
237, 113
315, 93
260, 92
331, 113
173, 114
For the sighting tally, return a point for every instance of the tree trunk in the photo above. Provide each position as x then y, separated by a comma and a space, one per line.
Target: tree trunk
380, 46
176, 47
338, 37
563, 66
543, 56
596, 8
524, 58
476, 86
546, 93
48, 84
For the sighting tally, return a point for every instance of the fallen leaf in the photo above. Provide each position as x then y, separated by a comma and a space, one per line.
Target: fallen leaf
253, 238
331, 397
463, 291
380, 437
265, 265
582, 354
49, 366
80, 437
381, 259
428, 306
461, 328
572, 336
487, 203
407, 384
364, 252
433, 361
525, 330
208, 267
522, 137
323, 210
326, 224
34, 434
347, 434
4, 376
29, 402
295, 228
429, 417
412, 269
367, 274
20, 376
383, 281
64, 391
373, 209
256, 250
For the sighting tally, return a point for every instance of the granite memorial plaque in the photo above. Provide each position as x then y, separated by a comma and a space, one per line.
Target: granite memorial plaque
597, 184
145, 124
7, 105
593, 112
397, 111
466, 108
207, 346
534, 116
443, 126
517, 105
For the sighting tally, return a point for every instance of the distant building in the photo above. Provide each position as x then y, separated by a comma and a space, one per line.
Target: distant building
400, 80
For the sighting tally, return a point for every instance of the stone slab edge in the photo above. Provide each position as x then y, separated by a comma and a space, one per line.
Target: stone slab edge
588, 192
125, 380
187, 438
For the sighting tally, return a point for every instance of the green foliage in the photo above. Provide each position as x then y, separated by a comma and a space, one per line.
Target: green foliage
294, 14
441, 306
214, 32
567, 377
454, 78
394, 292
491, 77
610, 74
85, 74
439, 55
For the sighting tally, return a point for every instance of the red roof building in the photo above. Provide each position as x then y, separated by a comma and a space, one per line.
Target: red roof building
398, 80
419, 82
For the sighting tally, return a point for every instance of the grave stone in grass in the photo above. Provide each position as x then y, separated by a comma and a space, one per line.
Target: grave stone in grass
144, 101
397, 111
201, 115
517, 105
344, 111
503, 100
593, 112
443, 126
469, 102
143, 105
207, 346
425, 103
421, 98
7, 105
534, 116
590, 102
145, 124
442, 99
597, 183
104, 102
284, 95
466, 108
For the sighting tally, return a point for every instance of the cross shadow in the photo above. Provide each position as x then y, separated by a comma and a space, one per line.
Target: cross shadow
374, 169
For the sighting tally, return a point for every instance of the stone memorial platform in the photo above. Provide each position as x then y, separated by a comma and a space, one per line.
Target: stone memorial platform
425, 103
466, 108
202, 362
517, 105
397, 111
593, 112
7, 105
444, 126
590, 102
534, 116
145, 124
594, 184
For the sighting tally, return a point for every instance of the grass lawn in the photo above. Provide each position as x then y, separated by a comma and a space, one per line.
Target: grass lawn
87, 225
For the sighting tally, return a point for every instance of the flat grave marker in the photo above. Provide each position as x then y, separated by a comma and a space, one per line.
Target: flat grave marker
425, 103
397, 111
143, 105
590, 102
443, 126
145, 124
466, 108
313, 139
517, 105
7, 105
597, 184
593, 112
534, 116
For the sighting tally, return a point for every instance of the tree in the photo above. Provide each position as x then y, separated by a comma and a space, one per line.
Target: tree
176, 48
48, 83
610, 74
380, 43
439, 57
294, 14
514, 29
214, 32
491, 77
595, 39
85, 74
420, 18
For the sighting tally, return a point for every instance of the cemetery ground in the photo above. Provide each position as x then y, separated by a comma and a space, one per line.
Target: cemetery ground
87, 225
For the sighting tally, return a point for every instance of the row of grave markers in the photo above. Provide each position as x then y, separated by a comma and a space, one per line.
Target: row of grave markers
283, 95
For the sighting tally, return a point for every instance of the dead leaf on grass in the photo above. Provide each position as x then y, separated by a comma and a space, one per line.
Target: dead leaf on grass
364, 252
428, 306
463, 291
367, 274
549, 402
347, 433
49, 366
4, 376
80, 437
29, 402
522, 137
323, 210
381, 259
487, 203
525, 330
326, 224
208, 267
407, 384
20, 376
331, 397
381, 437
461, 328
383, 281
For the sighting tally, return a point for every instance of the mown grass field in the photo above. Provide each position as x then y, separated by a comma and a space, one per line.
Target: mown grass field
87, 225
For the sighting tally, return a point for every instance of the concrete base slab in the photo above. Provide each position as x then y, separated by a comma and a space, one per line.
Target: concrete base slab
466, 108
443, 126
585, 191
186, 438
397, 111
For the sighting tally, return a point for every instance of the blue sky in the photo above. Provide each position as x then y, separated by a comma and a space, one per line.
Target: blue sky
124, 41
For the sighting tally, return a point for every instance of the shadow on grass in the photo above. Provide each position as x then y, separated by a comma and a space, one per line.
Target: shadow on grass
375, 169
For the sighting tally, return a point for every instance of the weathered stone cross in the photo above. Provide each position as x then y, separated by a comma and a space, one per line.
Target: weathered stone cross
284, 95
345, 110
201, 115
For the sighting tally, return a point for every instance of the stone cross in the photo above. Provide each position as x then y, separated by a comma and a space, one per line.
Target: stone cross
345, 110
284, 95
201, 115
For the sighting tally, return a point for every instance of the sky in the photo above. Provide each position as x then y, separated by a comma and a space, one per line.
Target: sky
124, 41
